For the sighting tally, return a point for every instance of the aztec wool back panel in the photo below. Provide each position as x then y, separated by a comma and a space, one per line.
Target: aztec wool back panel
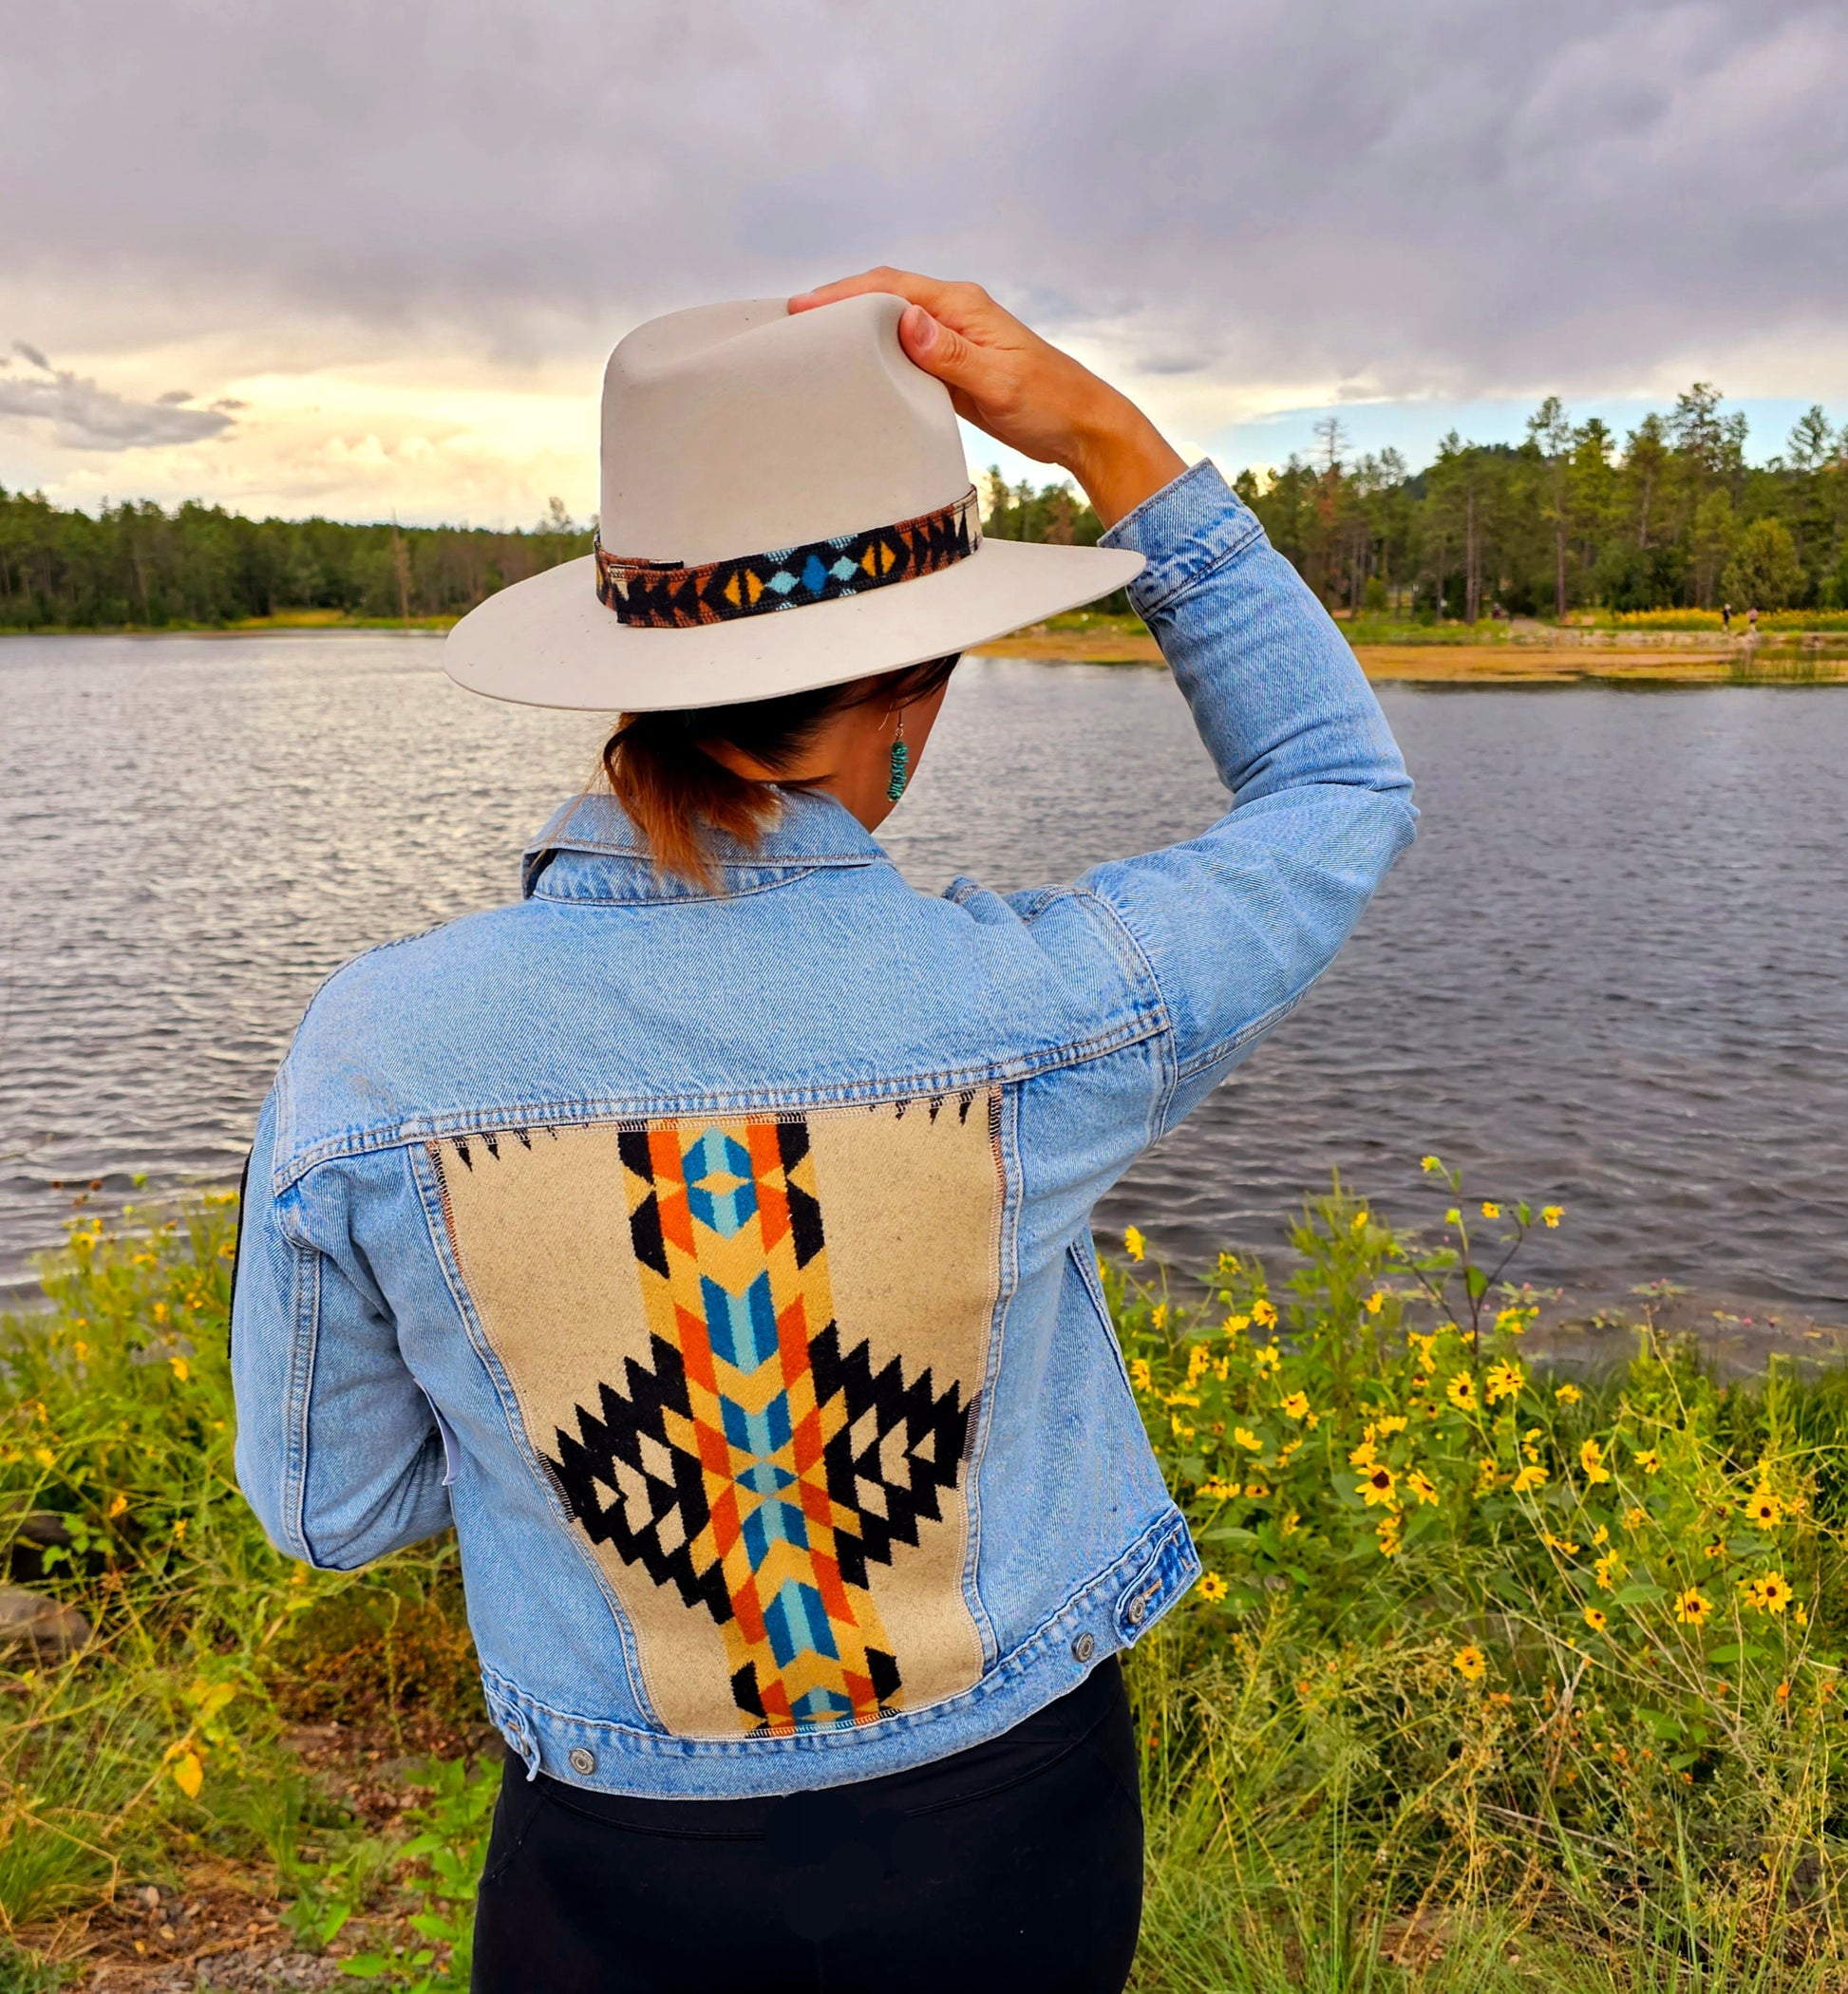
749, 1355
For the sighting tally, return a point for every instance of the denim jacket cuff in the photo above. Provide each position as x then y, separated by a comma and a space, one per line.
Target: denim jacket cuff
1187, 529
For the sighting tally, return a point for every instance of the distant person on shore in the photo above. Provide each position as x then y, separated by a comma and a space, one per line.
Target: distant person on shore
1751, 619
706, 1235
1725, 619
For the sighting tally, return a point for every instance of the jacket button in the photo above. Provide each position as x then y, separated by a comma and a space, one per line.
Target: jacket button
1083, 1649
580, 1761
1139, 1610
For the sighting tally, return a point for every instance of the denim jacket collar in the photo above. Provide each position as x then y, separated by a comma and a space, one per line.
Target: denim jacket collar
591, 852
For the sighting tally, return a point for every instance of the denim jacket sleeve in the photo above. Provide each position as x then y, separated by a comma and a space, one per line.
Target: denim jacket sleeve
1236, 923
338, 1449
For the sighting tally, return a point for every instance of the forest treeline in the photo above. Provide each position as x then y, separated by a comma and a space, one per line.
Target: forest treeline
1668, 516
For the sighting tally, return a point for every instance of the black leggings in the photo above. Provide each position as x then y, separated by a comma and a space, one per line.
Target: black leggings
1015, 1865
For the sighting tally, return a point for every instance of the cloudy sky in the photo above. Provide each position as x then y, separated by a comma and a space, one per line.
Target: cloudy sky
356, 259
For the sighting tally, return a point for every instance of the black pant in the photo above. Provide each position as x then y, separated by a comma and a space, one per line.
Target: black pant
1016, 1864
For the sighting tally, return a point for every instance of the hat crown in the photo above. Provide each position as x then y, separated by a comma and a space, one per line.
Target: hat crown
742, 428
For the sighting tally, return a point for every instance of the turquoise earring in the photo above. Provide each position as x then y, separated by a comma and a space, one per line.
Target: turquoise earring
901, 761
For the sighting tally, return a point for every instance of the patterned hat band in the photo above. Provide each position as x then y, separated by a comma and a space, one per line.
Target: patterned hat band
663, 595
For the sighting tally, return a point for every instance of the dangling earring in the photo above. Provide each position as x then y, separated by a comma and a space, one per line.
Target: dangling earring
901, 761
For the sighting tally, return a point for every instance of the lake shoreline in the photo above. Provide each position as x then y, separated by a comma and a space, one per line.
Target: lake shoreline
1444, 657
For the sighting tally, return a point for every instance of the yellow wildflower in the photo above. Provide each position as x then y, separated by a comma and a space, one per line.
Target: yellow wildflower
1591, 1457
1425, 1347
179, 1368
1490, 1208
1257, 1491
1422, 1486
1377, 1485
1263, 1314
1138, 1374
1392, 1423
1487, 1475
1268, 1358
1363, 1456
1551, 1215
1134, 1244
1180, 1432
1692, 1606
1244, 1437
1461, 1391
1221, 1367
1568, 1394
1532, 1477
1772, 1593
1649, 1460
1470, 1662
117, 1505
1160, 1317
1765, 1509
1635, 1519
1216, 1490
1387, 1531
1375, 1302
1564, 1546
1234, 1324
1212, 1588
1513, 1321
1358, 1220
1596, 1620
1602, 1535
1505, 1380
1606, 1569
1295, 1406
1290, 1523
1429, 1165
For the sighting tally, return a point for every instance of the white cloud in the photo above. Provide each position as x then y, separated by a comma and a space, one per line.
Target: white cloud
85, 417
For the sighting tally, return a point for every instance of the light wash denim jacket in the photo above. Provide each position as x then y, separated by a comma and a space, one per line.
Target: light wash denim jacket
720, 1264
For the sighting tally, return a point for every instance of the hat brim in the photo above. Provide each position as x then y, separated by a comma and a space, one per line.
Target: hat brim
550, 642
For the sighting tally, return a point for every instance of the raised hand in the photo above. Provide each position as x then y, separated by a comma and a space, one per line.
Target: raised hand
1026, 393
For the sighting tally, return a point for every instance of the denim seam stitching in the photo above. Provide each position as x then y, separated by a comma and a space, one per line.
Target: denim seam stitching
376, 1139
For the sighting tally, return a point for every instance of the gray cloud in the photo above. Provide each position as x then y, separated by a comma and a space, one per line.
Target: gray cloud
87, 417
1449, 197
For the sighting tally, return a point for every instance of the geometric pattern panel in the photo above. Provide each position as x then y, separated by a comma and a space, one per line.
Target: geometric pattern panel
671, 595
746, 1353
754, 1464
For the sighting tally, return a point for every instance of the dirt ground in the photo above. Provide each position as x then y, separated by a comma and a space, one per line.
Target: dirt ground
220, 1925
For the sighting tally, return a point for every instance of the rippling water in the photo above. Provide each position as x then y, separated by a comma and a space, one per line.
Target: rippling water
1609, 973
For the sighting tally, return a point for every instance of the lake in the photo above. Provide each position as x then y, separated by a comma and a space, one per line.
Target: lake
1609, 974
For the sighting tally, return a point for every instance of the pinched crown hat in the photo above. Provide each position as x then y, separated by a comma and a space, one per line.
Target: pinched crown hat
784, 505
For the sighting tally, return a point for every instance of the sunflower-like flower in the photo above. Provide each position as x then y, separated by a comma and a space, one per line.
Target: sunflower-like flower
1568, 1394
1134, 1244
1505, 1380
1770, 1594
1295, 1406
1596, 1620
1470, 1662
1531, 1477
1650, 1462
1461, 1391
1692, 1606
1551, 1215
1765, 1509
1422, 1486
1377, 1485
1591, 1459
1212, 1588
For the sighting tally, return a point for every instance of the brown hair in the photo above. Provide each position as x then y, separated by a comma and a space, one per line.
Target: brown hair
676, 795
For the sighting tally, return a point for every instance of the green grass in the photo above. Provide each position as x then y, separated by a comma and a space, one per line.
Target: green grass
1361, 1766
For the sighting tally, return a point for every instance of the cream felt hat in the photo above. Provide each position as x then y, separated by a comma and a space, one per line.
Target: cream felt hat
784, 505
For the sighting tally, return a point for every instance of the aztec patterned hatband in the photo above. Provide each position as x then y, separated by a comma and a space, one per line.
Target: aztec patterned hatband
663, 595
